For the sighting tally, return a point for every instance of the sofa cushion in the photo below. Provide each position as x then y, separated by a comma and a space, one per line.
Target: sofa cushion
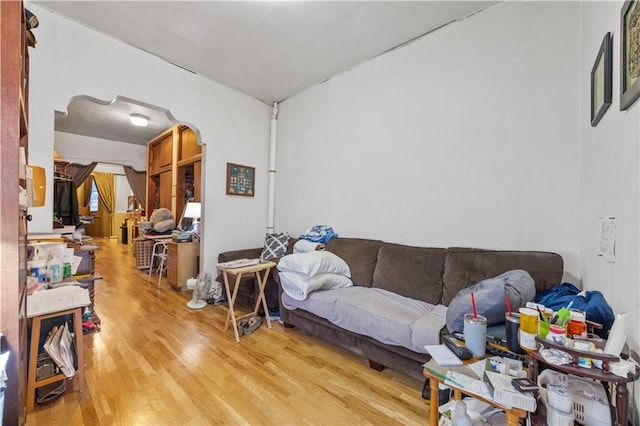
361, 256
414, 272
464, 267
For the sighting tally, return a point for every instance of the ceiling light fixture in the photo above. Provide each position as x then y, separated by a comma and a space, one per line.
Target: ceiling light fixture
139, 120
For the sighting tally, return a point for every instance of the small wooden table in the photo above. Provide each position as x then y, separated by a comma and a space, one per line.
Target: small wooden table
32, 382
513, 414
261, 280
619, 413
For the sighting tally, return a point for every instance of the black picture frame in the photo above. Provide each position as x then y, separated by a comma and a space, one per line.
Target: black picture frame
629, 54
601, 91
240, 180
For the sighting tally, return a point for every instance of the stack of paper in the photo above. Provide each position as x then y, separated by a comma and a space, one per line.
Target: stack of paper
504, 393
4, 359
59, 346
56, 300
240, 263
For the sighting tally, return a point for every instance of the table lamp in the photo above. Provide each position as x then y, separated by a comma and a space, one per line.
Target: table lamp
192, 210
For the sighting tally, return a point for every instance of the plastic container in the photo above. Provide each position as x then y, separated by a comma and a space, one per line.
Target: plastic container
460, 417
38, 269
54, 270
556, 334
67, 263
577, 325
528, 328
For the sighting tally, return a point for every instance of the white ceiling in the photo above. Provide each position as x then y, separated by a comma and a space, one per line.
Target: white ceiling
270, 50
110, 120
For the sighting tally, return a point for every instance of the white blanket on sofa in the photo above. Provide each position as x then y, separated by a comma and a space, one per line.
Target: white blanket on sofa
385, 316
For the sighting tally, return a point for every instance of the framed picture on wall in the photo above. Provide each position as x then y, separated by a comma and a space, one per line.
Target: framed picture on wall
601, 80
629, 54
240, 180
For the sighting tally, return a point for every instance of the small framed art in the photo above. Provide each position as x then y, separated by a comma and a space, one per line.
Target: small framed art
240, 180
601, 80
629, 54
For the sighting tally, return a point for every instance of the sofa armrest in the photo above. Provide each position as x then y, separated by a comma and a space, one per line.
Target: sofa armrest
250, 253
227, 256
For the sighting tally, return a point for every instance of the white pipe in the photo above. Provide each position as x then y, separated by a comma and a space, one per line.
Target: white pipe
271, 209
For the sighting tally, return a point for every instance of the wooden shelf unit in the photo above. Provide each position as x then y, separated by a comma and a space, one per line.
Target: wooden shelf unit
14, 133
173, 170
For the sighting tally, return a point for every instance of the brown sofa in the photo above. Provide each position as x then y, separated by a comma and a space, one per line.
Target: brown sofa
434, 275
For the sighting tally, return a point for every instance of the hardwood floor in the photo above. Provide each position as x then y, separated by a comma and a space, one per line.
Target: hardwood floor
157, 362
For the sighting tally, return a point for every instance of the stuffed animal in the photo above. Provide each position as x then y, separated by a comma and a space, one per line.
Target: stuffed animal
162, 220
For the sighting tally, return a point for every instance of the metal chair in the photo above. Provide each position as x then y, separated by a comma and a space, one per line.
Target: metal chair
159, 253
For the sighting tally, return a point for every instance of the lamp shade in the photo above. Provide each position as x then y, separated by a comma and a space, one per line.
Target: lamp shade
192, 210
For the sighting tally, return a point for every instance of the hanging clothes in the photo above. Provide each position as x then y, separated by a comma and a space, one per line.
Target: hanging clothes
65, 199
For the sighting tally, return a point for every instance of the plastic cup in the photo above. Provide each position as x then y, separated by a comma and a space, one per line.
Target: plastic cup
543, 329
475, 334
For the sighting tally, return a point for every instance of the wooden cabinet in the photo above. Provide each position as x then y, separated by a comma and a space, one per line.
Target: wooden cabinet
173, 170
182, 263
14, 130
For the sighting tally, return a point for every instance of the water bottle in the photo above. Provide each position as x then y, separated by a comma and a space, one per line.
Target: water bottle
460, 416
54, 270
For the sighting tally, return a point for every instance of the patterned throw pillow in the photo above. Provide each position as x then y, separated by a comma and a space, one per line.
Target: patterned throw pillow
275, 246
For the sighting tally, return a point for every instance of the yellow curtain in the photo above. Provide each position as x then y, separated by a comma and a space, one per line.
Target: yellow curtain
84, 192
105, 183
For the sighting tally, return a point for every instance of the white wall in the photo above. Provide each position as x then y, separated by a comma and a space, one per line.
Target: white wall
72, 60
467, 137
84, 149
610, 178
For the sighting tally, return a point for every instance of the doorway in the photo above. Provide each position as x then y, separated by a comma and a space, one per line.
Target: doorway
92, 130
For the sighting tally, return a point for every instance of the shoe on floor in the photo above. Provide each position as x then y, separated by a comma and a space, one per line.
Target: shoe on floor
241, 325
252, 324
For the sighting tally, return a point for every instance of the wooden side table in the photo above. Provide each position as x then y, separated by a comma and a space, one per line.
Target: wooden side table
32, 383
619, 415
513, 414
182, 263
262, 272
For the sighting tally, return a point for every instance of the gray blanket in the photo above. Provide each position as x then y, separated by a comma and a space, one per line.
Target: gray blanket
385, 316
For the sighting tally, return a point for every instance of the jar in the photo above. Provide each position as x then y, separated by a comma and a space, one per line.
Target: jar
528, 328
577, 325
556, 334
529, 320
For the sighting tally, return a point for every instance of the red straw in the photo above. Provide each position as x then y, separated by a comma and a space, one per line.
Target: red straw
506, 299
473, 304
